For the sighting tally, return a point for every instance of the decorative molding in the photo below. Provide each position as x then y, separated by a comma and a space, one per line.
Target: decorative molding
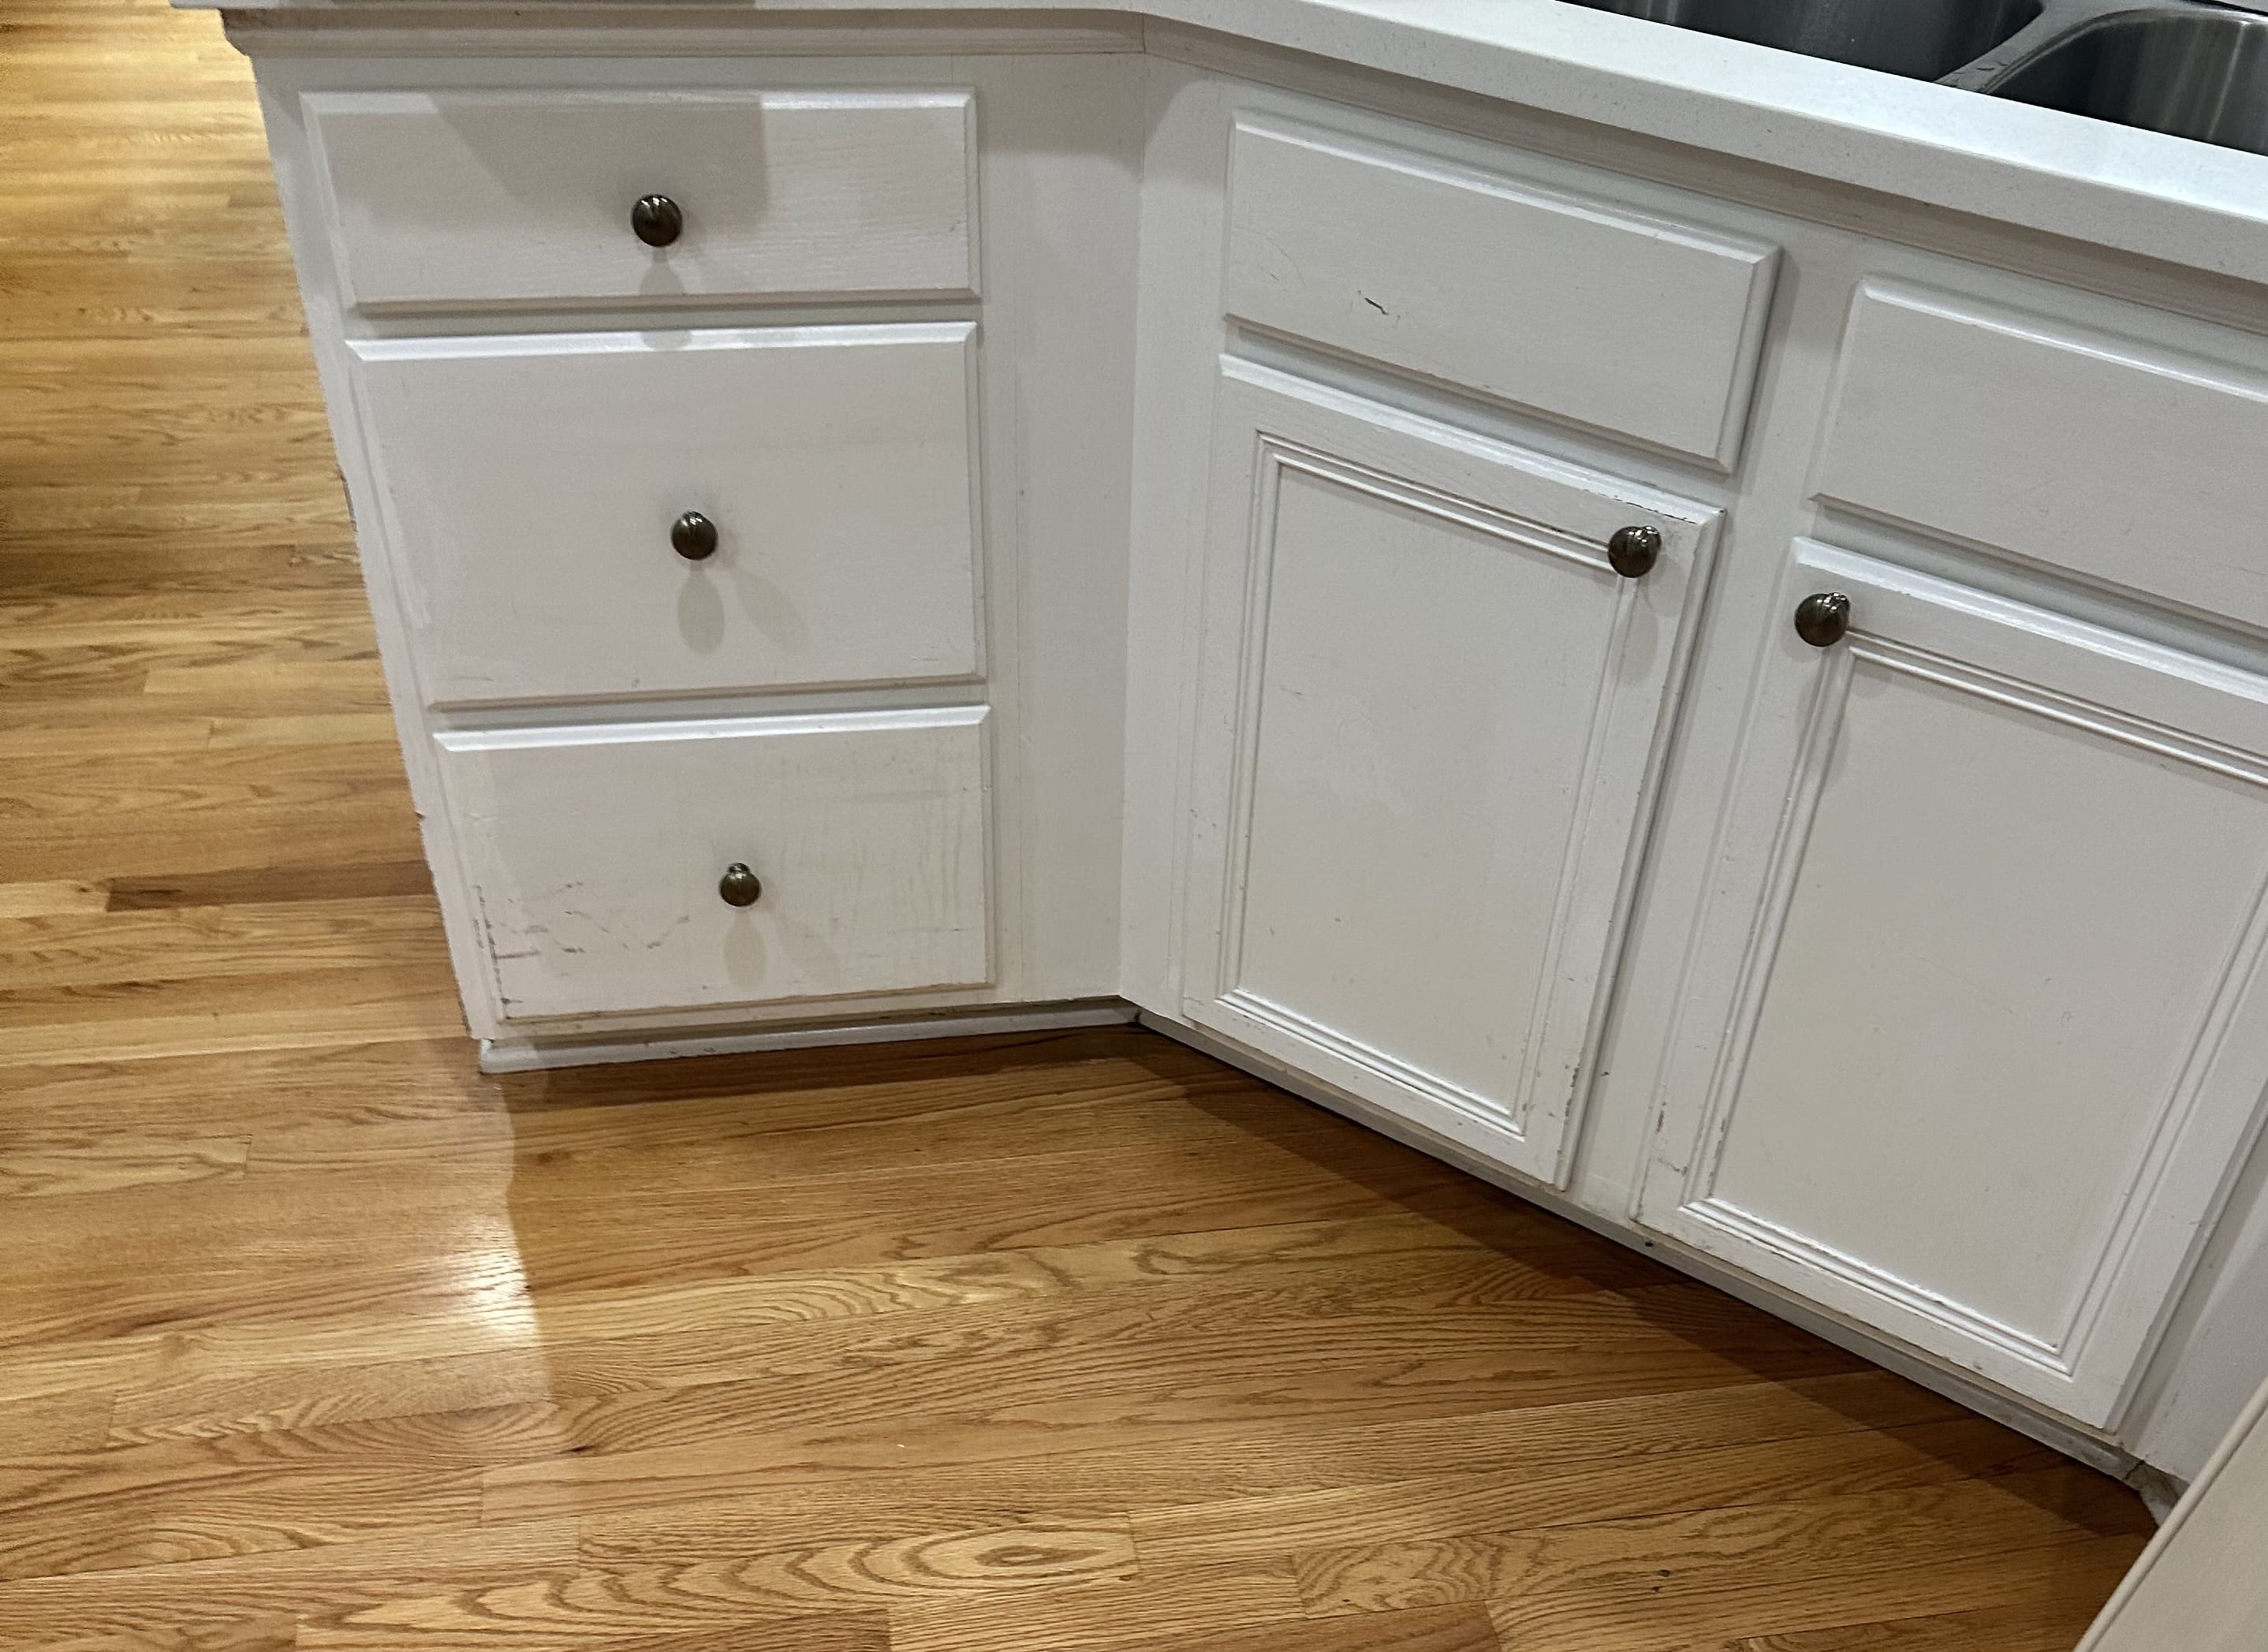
443, 28
1457, 1099
1809, 1254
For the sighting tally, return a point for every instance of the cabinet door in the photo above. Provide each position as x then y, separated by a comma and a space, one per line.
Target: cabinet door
1974, 1026
1429, 725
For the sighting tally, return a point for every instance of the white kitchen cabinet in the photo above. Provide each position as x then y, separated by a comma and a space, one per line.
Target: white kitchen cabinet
1997, 1025
1431, 714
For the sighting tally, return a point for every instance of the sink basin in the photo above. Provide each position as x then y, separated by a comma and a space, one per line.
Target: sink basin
1925, 39
2193, 72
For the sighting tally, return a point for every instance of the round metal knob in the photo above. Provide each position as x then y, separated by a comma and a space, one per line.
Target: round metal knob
656, 220
1821, 619
740, 886
693, 537
1633, 551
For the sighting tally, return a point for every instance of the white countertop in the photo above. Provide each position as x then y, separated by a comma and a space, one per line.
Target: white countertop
2112, 186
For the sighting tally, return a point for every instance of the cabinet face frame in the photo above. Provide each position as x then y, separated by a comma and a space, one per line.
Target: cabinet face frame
1269, 425
2174, 708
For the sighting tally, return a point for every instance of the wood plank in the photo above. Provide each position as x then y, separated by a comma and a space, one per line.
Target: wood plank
1247, 1454
1437, 1629
1184, 1607
73, 1420
338, 1578
153, 1506
778, 1587
33, 1163
2054, 1625
1113, 1363
1907, 1529
1695, 1609
245, 886
1966, 1450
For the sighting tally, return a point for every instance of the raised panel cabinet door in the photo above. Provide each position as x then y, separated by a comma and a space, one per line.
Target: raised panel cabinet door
1974, 1026
1429, 723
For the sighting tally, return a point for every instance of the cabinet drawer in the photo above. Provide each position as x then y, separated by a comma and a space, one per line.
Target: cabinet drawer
533, 484
460, 198
1573, 307
2118, 460
595, 856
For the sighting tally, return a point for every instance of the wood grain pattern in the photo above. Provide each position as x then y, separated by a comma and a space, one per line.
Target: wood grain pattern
312, 1335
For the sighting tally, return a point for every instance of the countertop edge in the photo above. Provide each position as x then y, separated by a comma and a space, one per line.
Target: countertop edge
2169, 199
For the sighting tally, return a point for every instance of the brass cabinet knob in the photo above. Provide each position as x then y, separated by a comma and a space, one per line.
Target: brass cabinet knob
1633, 551
656, 220
693, 537
1821, 619
740, 886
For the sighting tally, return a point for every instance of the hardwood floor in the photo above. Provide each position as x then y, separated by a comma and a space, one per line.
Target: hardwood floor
312, 1337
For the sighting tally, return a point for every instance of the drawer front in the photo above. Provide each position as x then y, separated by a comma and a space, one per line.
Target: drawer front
534, 482
2128, 464
1571, 307
460, 198
595, 857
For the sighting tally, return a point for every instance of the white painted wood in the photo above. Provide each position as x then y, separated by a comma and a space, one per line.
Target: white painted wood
1052, 404
837, 462
2129, 464
595, 854
2215, 1344
1999, 1027
545, 1055
2199, 1587
1432, 711
498, 197
1578, 308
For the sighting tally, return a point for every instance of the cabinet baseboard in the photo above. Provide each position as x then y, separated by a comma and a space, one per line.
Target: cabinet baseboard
528, 1055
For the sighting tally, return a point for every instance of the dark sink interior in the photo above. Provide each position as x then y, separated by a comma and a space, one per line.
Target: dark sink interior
2199, 74
1923, 39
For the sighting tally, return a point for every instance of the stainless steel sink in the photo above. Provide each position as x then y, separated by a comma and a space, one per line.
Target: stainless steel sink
1923, 39
2194, 68
2193, 71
